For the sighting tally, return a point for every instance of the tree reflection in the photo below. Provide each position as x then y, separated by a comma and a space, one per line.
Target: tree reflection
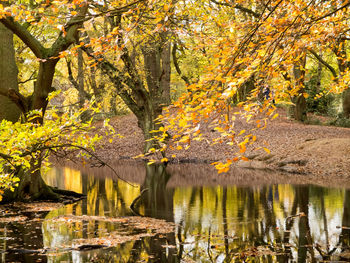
345, 231
158, 202
273, 223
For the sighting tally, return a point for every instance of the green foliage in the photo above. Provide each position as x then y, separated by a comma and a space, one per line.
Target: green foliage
340, 121
27, 145
318, 101
313, 121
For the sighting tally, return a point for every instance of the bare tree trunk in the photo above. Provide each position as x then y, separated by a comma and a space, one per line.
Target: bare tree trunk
346, 103
299, 108
8, 75
158, 70
166, 70
80, 77
343, 65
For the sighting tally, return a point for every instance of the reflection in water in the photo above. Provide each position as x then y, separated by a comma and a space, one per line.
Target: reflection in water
269, 223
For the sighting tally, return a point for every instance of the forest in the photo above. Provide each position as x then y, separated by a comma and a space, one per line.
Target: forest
221, 89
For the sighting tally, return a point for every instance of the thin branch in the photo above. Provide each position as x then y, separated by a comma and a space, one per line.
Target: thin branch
177, 67
74, 81
332, 13
32, 77
100, 161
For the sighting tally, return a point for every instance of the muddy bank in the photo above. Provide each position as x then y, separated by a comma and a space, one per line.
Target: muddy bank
322, 151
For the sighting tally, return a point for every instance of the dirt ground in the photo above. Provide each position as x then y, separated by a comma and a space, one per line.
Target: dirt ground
322, 151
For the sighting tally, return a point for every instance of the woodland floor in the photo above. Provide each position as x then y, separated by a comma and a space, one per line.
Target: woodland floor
318, 150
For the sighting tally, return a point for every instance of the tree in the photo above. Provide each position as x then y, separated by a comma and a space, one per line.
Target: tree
31, 184
145, 100
22, 157
268, 40
141, 72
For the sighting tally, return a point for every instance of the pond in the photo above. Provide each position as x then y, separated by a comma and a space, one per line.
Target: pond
212, 218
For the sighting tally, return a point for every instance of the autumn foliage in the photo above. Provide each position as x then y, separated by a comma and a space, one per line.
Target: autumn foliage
240, 48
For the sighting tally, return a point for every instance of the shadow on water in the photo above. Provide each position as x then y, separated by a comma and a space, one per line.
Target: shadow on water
212, 222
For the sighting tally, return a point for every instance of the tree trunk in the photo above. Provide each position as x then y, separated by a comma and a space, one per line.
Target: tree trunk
158, 70
166, 71
147, 122
346, 103
43, 86
343, 65
31, 187
298, 111
8, 75
31, 184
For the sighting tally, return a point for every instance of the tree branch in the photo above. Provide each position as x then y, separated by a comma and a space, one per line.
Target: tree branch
27, 38
75, 82
177, 67
64, 40
114, 75
32, 77
70, 75
320, 59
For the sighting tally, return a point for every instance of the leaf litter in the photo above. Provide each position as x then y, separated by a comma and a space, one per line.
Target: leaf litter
144, 226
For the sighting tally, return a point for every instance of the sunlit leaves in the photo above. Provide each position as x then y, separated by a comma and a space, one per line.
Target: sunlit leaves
24, 144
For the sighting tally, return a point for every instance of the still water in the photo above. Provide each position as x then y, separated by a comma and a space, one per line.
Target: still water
216, 221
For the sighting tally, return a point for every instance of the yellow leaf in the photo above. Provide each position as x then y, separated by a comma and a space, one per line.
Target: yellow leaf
152, 150
241, 132
267, 150
223, 170
242, 148
158, 27
151, 162
275, 116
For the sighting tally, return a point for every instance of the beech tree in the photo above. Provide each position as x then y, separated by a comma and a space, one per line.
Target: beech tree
267, 40
21, 158
136, 62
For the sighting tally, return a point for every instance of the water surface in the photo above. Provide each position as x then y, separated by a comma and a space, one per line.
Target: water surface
215, 220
